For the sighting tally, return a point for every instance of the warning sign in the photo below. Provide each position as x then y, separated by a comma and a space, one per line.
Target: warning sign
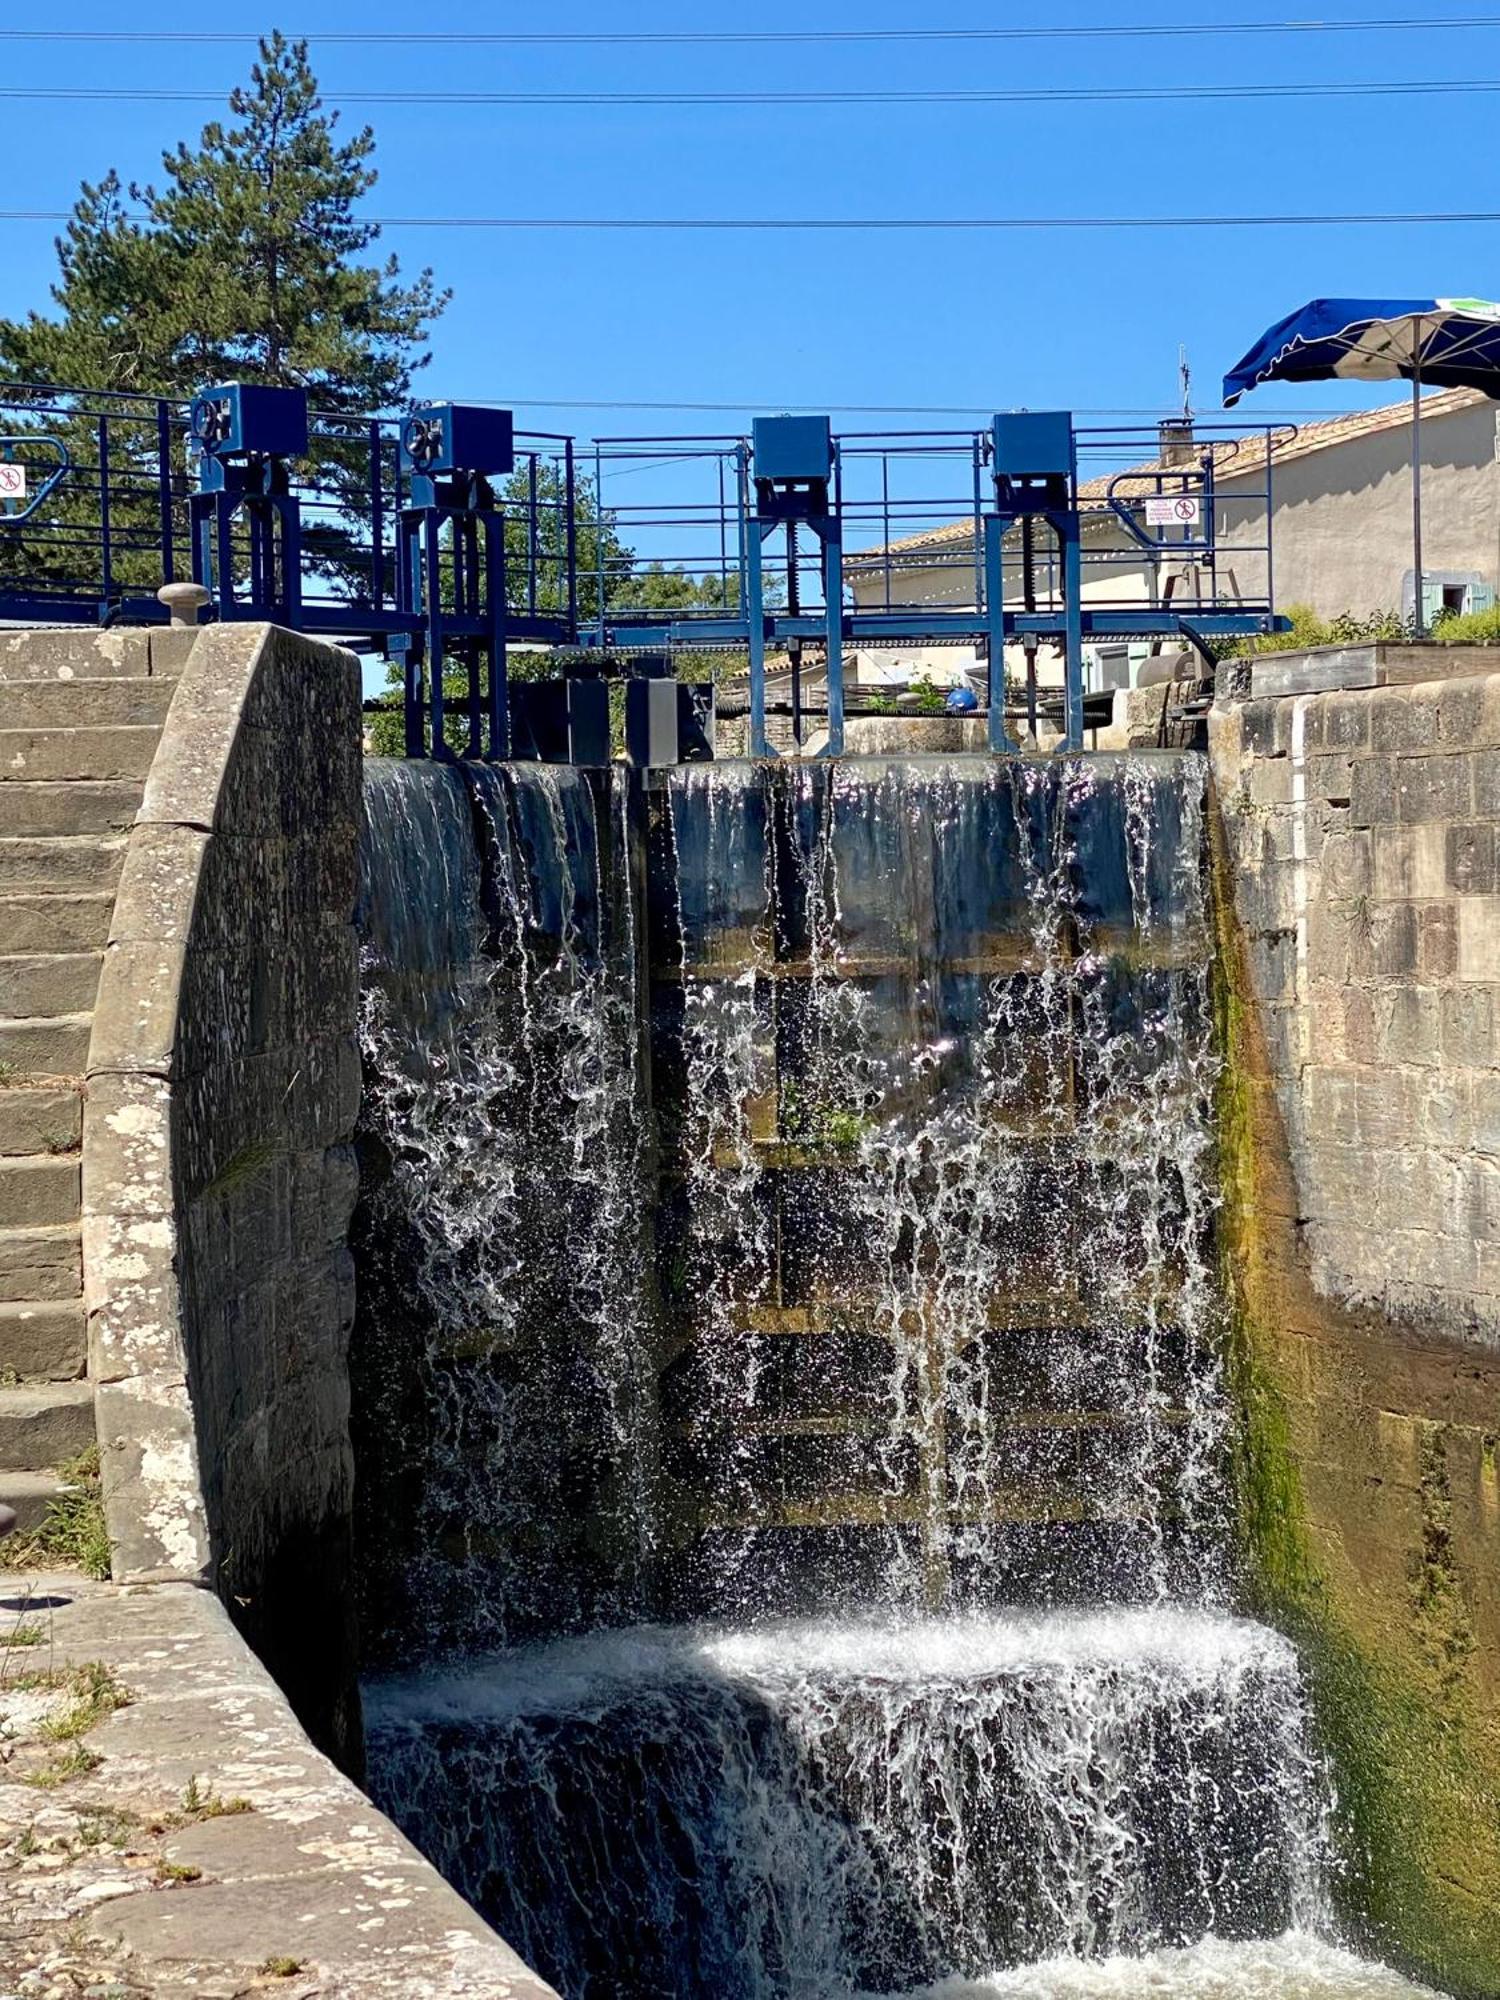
1172, 510
12, 482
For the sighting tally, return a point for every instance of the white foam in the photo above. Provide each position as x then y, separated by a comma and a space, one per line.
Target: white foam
1295, 1966
580, 1673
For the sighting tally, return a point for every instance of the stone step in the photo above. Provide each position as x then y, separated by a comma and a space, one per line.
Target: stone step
42, 1340
85, 806
66, 653
29, 1495
46, 1119
86, 704
38, 1191
50, 1046
60, 864
55, 982
45, 1425
49, 756
55, 923
41, 1264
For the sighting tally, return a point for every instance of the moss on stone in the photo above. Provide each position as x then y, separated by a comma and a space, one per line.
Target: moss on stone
1412, 1737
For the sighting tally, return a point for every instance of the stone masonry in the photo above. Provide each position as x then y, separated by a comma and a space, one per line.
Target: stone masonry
1358, 876
1364, 833
80, 716
218, 1180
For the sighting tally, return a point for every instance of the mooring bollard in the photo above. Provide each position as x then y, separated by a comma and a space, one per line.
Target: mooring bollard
183, 600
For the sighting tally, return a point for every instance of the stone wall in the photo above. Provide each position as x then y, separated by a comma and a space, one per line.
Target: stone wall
1364, 832
223, 1083
1358, 841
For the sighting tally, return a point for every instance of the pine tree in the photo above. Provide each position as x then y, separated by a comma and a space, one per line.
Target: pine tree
247, 263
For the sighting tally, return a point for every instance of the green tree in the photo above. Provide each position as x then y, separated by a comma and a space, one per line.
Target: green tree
248, 262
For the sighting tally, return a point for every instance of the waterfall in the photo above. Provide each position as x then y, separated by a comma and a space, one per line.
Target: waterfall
793, 1451
499, 1373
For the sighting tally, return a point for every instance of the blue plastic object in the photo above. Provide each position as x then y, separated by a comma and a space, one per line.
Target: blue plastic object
961, 701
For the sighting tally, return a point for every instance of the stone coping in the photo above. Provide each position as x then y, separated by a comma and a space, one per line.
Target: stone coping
212, 1903
1374, 663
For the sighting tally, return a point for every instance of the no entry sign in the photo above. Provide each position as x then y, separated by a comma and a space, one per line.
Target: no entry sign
1172, 510
12, 482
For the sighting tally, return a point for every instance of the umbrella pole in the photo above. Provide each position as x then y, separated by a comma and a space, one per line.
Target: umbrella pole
1419, 623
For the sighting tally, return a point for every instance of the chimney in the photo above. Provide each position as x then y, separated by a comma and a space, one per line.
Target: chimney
1175, 444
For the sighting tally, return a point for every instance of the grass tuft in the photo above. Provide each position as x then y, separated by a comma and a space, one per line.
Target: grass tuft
73, 1535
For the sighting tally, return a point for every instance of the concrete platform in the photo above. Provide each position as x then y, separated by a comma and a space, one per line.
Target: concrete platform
130, 1877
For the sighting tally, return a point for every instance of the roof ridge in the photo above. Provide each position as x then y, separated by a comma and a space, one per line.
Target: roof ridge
1339, 428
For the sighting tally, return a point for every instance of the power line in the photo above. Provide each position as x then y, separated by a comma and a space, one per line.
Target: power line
1388, 219
687, 99
1373, 24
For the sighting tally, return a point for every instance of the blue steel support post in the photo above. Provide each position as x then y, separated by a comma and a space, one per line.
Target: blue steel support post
108, 564
495, 604
833, 595
754, 532
1072, 565
247, 437
432, 589
995, 525
164, 488
451, 451
794, 473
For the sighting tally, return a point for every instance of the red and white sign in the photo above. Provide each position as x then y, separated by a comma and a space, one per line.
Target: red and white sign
12, 481
1173, 510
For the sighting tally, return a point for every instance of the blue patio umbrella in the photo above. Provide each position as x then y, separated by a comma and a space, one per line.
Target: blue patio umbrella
1442, 343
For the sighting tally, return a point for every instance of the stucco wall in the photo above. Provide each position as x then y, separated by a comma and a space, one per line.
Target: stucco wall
1342, 525
1358, 842
223, 1085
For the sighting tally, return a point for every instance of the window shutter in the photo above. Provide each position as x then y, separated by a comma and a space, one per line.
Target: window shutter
1481, 597
1432, 602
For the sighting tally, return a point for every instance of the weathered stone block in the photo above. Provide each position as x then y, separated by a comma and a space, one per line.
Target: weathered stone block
1408, 1026
42, 1340
47, 1119
127, 1158
1271, 782
39, 1191
44, 1427
136, 1017
1469, 1018
158, 885
1471, 859
1372, 792
1333, 1099
1328, 779
1348, 865
1345, 721
1402, 720
1485, 1091
1265, 728
151, 1488
132, 1293
1462, 712
1410, 861
1437, 954
1479, 938
41, 1263
1432, 788
1486, 779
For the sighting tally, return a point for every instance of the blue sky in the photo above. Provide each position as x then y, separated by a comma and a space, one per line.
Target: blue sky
1091, 321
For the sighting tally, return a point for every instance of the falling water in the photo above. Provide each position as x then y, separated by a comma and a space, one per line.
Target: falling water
787, 1219
498, 1380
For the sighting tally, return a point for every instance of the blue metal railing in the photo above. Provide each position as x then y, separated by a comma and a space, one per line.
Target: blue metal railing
107, 523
